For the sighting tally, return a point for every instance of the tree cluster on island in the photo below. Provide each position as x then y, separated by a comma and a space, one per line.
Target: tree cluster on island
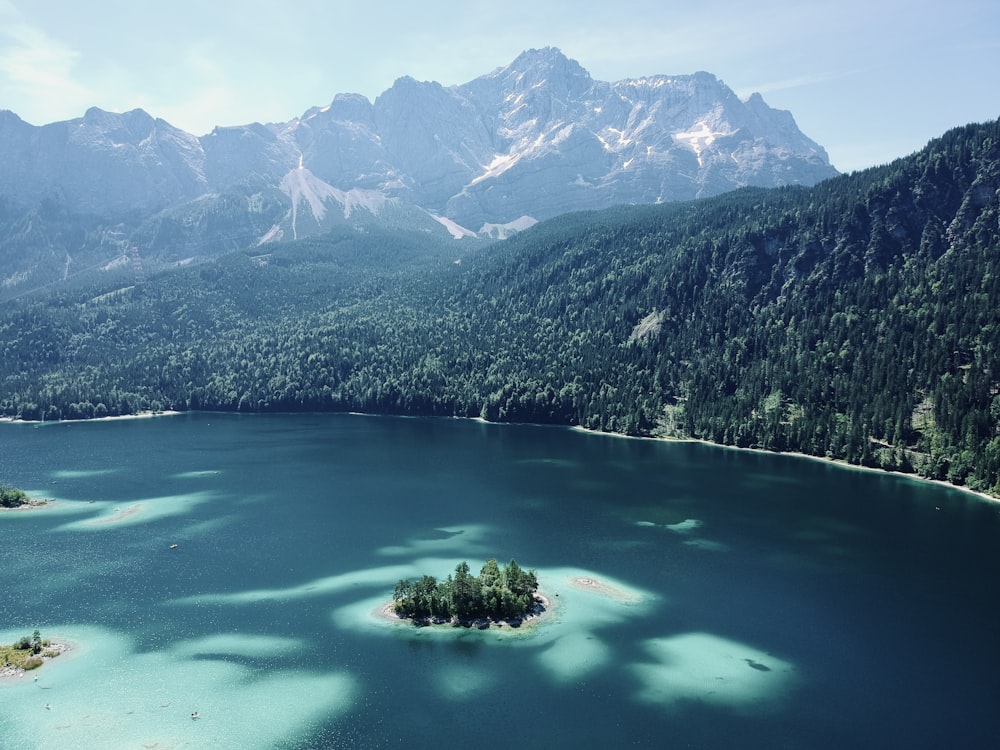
26, 653
11, 497
497, 594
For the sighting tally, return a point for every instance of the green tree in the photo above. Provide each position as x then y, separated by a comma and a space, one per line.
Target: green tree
491, 586
11, 497
465, 592
402, 597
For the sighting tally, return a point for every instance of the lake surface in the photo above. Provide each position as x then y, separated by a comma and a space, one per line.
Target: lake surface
748, 600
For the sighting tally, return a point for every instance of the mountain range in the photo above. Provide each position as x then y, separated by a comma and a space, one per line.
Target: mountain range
526, 142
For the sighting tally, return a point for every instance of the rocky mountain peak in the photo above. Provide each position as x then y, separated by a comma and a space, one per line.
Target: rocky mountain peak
527, 141
351, 108
545, 67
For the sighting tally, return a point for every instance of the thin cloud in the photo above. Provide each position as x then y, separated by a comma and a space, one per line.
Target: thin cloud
794, 83
37, 66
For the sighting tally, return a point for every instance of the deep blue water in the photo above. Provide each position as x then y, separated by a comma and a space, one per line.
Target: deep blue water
775, 601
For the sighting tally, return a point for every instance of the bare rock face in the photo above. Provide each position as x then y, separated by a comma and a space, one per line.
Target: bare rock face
540, 137
102, 163
526, 142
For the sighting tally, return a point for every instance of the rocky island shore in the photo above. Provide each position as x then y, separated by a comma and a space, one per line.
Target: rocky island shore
28, 654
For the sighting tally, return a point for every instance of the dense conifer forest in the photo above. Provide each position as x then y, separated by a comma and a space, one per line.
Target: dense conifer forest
496, 593
858, 320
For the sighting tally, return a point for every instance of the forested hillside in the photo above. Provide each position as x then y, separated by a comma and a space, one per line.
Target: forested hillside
858, 319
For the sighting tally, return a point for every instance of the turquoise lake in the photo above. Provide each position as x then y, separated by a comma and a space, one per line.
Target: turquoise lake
702, 597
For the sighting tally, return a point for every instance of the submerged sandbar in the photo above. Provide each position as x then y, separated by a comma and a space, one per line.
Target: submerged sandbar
597, 586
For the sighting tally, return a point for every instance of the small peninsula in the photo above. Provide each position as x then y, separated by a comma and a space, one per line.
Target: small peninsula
502, 595
12, 498
28, 653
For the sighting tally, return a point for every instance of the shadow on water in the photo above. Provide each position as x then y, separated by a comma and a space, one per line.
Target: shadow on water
742, 596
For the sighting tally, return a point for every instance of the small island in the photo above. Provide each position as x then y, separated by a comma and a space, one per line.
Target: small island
28, 653
12, 498
504, 595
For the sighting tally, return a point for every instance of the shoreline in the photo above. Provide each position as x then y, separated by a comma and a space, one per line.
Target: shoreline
12, 675
49, 503
822, 459
33, 503
844, 465
890, 472
575, 428
116, 418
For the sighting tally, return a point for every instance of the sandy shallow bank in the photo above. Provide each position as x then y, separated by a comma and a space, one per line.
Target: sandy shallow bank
118, 515
598, 586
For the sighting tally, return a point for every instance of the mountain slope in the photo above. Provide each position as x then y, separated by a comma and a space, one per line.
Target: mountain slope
540, 137
103, 163
857, 319
529, 141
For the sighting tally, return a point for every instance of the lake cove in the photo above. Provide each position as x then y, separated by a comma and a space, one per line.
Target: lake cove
712, 596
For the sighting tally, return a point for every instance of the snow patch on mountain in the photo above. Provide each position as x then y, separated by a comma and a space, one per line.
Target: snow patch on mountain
503, 231
500, 164
701, 137
535, 138
455, 230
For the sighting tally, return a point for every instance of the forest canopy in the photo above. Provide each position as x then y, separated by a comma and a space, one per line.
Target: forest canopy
857, 320
11, 497
496, 593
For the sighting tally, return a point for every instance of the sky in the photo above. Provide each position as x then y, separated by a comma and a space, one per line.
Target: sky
869, 80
